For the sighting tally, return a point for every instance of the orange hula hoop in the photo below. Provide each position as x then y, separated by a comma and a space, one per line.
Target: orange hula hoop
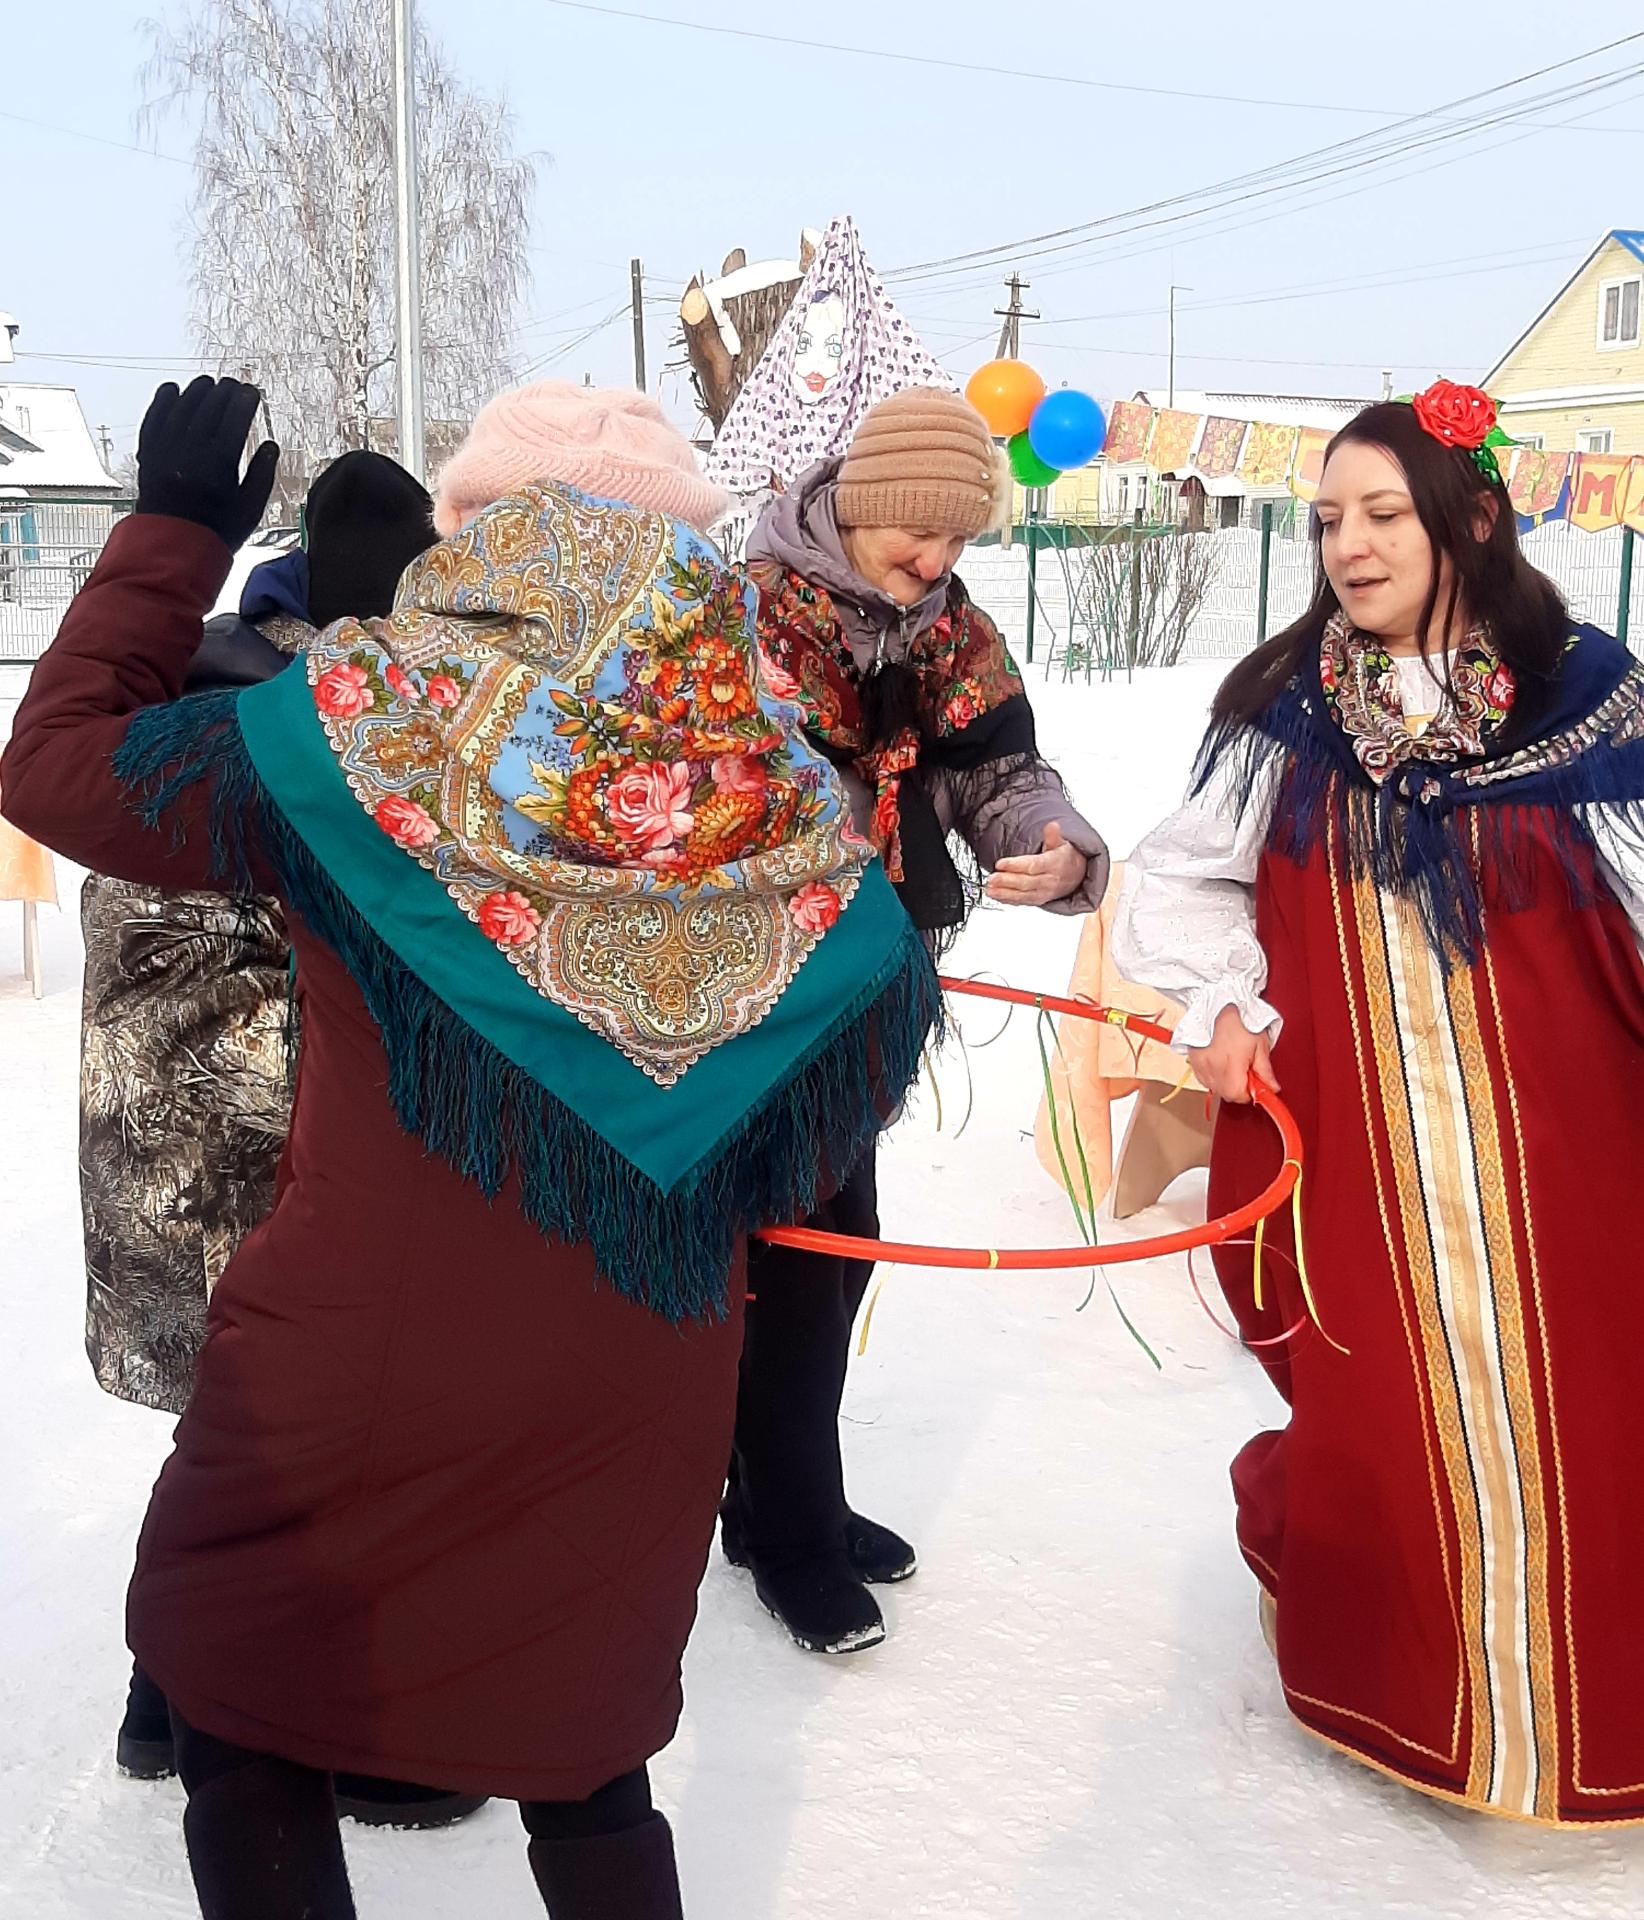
1225, 1226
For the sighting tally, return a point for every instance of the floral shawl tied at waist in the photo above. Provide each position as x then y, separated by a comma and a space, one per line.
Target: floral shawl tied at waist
603, 898
968, 709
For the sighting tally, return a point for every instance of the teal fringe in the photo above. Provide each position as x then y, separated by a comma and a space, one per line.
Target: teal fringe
482, 1114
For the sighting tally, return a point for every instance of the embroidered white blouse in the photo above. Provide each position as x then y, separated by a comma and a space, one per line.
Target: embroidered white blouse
1186, 921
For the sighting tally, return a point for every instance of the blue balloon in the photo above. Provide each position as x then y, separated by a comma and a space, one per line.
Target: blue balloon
1067, 429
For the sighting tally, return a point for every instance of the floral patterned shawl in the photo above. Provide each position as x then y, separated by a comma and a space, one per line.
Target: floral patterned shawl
1360, 680
965, 677
599, 894
562, 724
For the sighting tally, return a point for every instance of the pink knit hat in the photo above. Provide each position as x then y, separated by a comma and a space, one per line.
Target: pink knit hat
612, 442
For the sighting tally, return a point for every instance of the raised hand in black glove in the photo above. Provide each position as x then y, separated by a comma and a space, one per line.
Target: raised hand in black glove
188, 458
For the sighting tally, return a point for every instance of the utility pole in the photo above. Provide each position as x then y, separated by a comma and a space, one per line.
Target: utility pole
1387, 383
407, 244
1174, 290
106, 441
637, 273
1010, 334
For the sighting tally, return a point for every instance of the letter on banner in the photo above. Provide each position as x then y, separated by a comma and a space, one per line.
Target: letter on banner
1596, 490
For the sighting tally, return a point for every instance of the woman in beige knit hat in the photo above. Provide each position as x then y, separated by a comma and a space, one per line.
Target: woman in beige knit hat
906, 686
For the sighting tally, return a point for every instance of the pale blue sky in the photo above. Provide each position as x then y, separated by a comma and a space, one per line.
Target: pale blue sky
679, 145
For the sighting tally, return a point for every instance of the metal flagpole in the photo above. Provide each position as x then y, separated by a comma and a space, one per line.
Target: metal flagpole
407, 243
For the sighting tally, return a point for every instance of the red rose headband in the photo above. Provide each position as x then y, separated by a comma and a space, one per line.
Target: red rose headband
1464, 417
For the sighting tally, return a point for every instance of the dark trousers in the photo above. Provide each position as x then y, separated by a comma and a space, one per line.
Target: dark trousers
786, 1472
262, 1832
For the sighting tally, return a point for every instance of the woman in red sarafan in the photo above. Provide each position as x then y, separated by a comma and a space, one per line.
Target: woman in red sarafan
1405, 888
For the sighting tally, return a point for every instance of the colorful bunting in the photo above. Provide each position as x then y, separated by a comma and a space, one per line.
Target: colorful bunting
1269, 453
1174, 436
1219, 446
1592, 490
1129, 428
1308, 469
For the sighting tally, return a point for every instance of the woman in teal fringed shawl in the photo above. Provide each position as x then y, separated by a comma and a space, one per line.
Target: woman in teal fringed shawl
593, 979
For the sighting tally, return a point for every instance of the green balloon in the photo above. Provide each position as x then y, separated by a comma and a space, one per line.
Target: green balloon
1026, 465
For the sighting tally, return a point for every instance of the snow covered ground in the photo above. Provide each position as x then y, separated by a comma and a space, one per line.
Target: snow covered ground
1074, 1714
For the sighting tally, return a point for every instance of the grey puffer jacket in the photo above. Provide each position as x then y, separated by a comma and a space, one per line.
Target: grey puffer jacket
800, 532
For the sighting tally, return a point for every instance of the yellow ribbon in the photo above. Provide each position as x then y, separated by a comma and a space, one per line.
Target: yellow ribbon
867, 1318
1301, 1259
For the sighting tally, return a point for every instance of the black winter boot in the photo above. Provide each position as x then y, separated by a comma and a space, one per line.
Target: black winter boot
263, 1845
821, 1600
629, 1875
396, 1803
143, 1746
879, 1556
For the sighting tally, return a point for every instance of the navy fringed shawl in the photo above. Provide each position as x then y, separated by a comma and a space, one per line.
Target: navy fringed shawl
1575, 775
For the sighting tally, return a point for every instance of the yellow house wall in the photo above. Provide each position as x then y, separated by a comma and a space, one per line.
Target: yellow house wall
1563, 351
1558, 425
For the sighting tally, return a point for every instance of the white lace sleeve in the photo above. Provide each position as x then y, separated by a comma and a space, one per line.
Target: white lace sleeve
1186, 922
1621, 861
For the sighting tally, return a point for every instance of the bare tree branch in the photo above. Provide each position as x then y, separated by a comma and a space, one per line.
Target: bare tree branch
291, 241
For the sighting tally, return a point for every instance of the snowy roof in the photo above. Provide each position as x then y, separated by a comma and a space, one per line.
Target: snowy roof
1277, 409
45, 442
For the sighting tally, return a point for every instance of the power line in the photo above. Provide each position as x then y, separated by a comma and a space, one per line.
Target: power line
1326, 289
987, 69
1227, 225
1280, 171
98, 139
1507, 261
571, 346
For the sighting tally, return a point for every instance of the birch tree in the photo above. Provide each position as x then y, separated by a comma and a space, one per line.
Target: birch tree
291, 242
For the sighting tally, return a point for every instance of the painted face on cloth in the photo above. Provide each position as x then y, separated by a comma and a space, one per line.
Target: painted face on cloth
820, 348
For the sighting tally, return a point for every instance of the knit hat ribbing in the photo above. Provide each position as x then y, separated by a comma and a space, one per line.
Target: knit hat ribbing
613, 443
924, 460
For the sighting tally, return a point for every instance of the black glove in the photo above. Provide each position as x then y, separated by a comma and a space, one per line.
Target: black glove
188, 458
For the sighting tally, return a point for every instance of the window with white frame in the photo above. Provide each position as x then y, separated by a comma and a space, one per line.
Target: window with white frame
1536, 442
1618, 312
1593, 440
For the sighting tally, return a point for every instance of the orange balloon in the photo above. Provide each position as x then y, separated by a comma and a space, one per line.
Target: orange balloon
1005, 393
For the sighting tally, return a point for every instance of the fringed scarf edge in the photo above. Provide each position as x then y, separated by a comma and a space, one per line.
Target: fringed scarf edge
1408, 833
482, 1114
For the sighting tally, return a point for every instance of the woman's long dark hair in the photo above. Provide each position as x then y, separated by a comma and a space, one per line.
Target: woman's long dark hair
1523, 610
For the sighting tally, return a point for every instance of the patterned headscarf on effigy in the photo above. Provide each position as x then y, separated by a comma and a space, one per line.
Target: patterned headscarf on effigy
842, 347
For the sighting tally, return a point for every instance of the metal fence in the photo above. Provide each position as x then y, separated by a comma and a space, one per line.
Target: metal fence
47, 549
1101, 599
